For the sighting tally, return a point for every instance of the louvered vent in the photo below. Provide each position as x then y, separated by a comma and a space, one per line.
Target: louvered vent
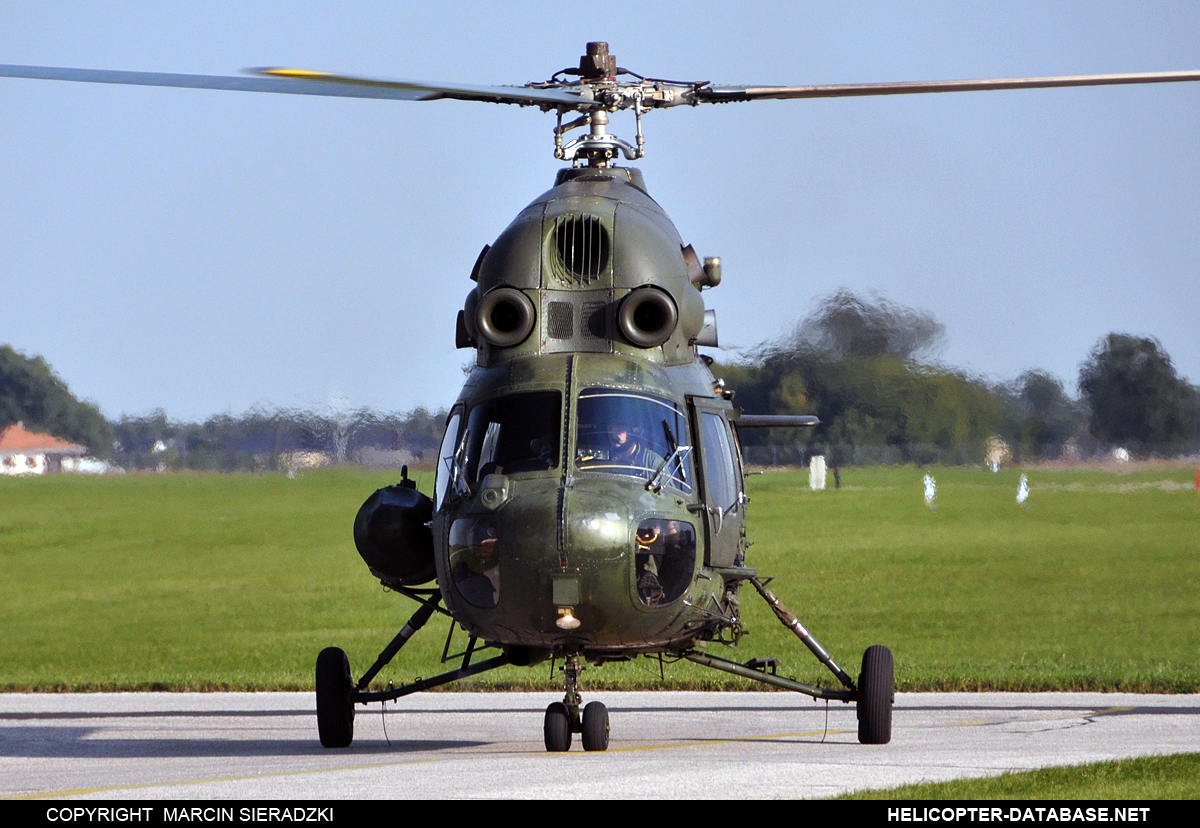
582, 245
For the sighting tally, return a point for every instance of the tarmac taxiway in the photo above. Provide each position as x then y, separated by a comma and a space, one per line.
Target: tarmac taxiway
664, 744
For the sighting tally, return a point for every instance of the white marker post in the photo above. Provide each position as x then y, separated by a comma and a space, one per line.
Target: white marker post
1023, 489
816, 472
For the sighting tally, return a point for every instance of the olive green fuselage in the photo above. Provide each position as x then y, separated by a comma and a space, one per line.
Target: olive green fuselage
575, 510
577, 527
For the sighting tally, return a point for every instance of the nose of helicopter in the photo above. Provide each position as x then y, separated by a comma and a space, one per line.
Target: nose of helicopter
585, 551
597, 526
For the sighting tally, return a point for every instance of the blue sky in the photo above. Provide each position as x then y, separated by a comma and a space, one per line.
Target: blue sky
210, 251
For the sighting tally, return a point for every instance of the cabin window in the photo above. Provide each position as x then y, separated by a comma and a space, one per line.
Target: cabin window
620, 432
515, 433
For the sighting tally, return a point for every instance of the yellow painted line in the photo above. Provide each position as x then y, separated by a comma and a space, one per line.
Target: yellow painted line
215, 780
246, 777
700, 742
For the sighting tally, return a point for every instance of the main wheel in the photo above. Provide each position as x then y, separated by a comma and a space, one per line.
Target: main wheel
335, 698
875, 690
557, 728
595, 726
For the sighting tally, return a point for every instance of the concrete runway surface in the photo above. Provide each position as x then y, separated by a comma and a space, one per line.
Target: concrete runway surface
664, 744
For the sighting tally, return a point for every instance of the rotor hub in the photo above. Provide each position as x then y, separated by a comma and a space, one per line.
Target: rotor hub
597, 63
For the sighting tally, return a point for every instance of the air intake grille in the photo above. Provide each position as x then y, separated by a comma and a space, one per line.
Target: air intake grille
560, 321
581, 244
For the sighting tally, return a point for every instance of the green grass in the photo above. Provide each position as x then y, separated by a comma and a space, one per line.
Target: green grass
207, 581
1151, 777
1090, 586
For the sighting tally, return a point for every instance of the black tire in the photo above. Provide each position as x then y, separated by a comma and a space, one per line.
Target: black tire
558, 728
875, 690
335, 698
595, 726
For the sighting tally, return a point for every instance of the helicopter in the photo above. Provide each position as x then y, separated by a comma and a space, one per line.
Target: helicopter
589, 503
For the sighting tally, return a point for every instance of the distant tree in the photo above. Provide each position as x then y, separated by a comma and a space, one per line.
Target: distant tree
853, 362
845, 324
1134, 396
264, 439
1041, 417
32, 393
141, 442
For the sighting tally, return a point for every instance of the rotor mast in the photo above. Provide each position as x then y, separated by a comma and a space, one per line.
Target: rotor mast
598, 74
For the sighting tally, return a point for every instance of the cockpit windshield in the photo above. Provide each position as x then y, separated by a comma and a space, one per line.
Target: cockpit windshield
620, 432
516, 433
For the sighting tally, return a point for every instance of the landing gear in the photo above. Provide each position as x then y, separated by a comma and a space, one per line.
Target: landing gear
337, 693
563, 718
558, 728
872, 695
595, 726
875, 689
335, 698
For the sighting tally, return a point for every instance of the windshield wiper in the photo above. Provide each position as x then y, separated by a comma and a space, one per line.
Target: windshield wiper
459, 480
654, 484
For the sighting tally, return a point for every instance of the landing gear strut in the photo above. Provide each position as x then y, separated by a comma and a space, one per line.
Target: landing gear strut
563, 718
337, 693
872, 695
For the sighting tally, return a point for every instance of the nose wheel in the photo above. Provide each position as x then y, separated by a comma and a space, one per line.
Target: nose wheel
558, 728
595, 726
563, 718
592, 727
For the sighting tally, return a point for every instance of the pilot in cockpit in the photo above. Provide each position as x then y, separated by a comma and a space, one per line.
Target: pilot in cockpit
622, 446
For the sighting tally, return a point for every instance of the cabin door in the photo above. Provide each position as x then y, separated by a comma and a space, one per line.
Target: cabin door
721, 495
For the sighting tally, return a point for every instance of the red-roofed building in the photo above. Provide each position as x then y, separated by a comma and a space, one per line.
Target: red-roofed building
26, 452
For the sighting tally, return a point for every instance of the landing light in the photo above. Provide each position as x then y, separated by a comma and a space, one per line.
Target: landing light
566, 619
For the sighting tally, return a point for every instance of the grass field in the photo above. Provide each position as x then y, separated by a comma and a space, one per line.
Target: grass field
1150, 777
197, 581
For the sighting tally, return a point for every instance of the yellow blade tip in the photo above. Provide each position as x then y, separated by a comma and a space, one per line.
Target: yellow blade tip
305, 74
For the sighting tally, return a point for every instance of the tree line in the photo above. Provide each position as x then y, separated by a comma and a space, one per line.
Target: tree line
260, 439
865, 366
277, 440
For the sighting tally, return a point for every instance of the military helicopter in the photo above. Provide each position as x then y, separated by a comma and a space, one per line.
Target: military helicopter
589, 503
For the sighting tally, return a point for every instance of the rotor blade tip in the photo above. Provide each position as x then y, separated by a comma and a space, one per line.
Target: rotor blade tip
282, 72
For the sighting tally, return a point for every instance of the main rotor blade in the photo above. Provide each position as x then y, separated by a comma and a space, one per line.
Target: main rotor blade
723, 94
427, 91
299, 82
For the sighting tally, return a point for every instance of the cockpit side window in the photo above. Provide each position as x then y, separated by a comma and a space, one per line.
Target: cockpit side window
720, 475
620, 432
446, 469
